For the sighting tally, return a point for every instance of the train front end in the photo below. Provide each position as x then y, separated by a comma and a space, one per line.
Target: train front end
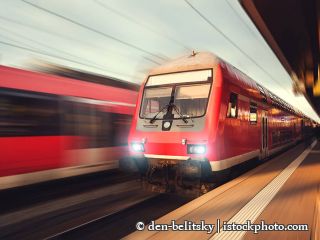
173, 131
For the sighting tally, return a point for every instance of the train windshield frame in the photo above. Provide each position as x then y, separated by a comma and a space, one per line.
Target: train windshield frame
189, 92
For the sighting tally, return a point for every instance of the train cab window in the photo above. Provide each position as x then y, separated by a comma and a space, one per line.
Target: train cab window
233, 106
154, 99
253, 116
191, 100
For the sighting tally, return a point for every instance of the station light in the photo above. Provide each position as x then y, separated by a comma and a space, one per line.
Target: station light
137, 147
197, 149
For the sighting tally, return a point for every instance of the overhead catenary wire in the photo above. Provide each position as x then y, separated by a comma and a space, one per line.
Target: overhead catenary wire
94, 30
24, 24
234, 44
51, 48
241, 19
141, 24
264, 70
55, 56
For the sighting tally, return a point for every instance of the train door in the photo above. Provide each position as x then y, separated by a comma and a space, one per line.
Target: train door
264, 135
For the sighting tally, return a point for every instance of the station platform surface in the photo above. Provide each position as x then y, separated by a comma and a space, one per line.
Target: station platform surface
284, 190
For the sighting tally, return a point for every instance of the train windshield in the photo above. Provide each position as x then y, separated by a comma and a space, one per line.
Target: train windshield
155, 100
189, 98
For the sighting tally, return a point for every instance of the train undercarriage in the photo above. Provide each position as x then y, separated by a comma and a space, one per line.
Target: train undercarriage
189, 177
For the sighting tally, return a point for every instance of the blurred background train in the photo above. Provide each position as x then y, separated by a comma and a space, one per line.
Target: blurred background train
58, 126
198, 117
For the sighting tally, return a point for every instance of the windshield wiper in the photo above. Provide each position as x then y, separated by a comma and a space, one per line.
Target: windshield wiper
152, 120
174, 107
184, 118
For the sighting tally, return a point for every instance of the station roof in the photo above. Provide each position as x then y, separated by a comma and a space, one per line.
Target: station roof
292, 30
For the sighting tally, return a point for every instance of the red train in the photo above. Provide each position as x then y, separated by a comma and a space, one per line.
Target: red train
53, 127
197, 117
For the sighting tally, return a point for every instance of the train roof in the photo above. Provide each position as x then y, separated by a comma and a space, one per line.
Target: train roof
205, 60
200, 60
63, 71
15, 78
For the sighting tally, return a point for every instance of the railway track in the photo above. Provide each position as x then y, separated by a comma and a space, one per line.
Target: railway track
121, 223
18, 198
73, 207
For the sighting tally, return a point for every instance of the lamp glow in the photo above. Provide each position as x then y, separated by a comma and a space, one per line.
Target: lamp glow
197, 149
137, 147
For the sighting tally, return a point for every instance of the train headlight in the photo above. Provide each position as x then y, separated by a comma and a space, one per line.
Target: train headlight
197, 149
137, 147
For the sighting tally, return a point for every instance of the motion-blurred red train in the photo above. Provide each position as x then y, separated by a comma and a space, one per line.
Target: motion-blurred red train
53, 127
198, 117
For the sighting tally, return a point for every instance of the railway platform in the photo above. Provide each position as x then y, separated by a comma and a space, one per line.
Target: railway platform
281, 197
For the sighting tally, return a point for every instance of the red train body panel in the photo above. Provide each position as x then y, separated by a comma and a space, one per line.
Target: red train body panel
39, 82
213, 108
50, 123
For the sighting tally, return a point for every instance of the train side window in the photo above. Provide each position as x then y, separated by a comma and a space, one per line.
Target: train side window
233, 106
121, 124
253, 116
99, 126
23, 113
86, 120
